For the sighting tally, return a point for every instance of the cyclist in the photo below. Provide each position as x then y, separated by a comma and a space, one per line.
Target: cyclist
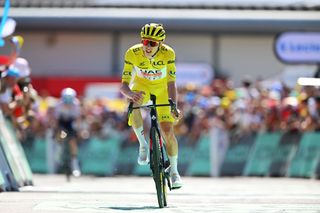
153, 65
67, 112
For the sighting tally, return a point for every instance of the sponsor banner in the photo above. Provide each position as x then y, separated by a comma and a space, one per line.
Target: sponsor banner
198, 74
99, 156
298, 47
307, 158
201, 164
284, 154
237, 154
261, 155
37, 155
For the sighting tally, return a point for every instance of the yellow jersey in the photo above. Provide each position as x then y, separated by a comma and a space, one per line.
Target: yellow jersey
156, 71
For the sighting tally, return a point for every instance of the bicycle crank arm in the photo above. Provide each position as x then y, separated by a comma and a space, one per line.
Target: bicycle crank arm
167, 176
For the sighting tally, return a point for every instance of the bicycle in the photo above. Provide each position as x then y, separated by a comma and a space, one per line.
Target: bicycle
65, 155
159, 163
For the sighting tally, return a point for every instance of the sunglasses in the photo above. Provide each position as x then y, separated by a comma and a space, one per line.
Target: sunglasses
145, 42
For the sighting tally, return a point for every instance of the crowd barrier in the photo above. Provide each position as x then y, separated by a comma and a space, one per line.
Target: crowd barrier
290, 154
15, 171
237, 154
217, 153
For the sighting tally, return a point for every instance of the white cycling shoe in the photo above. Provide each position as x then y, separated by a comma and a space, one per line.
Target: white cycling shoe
75, 167
176, 181
143, 158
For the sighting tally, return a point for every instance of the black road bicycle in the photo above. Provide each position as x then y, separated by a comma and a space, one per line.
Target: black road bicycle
159, 162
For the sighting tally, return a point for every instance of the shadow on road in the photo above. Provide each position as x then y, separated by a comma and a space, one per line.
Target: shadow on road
127, 208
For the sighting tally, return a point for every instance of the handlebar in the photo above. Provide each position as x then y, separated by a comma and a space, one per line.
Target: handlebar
171, 103
131, 107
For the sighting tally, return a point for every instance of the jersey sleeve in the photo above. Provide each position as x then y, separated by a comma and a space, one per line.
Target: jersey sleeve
128, 67
171, 66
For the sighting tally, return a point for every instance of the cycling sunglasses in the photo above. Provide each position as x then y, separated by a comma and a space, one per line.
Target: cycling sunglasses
145, 42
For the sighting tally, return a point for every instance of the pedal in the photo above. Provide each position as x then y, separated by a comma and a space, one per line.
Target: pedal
173, 188
167, 176
167, 167
167, 170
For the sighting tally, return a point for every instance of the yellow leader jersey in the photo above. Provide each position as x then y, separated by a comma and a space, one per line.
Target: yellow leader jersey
156, 71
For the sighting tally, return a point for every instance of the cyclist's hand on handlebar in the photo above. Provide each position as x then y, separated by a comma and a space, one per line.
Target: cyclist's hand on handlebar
177, 115
137, 97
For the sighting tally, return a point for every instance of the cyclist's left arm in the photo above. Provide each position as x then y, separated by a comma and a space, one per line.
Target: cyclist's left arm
172, 91
172, 87
171, 68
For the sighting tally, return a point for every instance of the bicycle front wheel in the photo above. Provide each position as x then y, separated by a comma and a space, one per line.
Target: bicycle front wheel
67, 159
158, 169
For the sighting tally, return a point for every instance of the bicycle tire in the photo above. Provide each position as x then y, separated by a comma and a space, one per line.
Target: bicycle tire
67, 159
164, 190
158, 173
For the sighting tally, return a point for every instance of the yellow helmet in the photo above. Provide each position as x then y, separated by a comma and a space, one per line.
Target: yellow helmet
153, 31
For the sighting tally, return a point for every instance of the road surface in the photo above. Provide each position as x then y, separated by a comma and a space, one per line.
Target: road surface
52, 194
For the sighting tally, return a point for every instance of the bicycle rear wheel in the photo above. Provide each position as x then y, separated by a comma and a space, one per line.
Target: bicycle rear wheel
158, 168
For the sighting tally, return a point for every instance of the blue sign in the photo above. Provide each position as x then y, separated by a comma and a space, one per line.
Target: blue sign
298, 47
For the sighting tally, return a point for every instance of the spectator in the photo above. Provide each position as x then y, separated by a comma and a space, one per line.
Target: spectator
8, 82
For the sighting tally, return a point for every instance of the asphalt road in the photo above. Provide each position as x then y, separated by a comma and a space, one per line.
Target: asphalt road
52, 194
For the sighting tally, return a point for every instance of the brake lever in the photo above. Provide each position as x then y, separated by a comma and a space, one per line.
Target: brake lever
173, 106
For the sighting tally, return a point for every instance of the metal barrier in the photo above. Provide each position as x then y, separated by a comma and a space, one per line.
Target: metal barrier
280, 154
14, 167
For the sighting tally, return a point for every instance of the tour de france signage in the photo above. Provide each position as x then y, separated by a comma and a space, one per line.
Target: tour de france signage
298, 47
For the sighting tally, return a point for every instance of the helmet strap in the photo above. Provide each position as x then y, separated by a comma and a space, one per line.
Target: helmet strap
157, 50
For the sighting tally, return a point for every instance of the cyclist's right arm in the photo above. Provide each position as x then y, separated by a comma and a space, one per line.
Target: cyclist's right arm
136, 97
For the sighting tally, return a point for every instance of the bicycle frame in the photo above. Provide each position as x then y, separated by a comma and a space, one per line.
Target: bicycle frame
153, 113
158, 165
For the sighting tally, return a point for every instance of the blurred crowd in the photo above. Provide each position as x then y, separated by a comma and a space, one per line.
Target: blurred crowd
253, 107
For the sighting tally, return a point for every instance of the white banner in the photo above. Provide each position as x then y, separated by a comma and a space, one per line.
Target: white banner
196, 73
298, 47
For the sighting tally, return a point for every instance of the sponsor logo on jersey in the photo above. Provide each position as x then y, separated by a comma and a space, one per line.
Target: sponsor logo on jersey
151, 74
163, 48
126, 73
165, 117
158, 63
127, 62
136, 49
142, 64
172, 73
